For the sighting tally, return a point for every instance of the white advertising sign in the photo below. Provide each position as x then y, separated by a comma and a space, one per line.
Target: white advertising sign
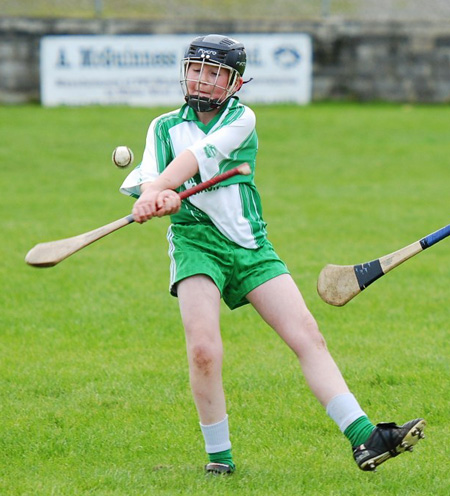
144, 70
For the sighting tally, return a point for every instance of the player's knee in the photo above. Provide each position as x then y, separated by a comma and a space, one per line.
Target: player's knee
309, 337
311, 329
205, 357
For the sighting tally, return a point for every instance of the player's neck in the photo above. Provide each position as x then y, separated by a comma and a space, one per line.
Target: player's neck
207, 117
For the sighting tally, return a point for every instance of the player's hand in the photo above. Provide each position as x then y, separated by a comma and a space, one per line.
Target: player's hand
154, 203
168, 202
145, 207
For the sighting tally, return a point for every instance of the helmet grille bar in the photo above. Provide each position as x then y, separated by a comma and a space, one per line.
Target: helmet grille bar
216, 50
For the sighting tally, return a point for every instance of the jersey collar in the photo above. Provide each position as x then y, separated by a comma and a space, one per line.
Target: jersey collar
188, 114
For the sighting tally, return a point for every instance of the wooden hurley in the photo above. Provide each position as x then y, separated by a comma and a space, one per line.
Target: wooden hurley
338, 284
51, 253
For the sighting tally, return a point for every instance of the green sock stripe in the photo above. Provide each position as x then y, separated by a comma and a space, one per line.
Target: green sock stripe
359, 431
222, 457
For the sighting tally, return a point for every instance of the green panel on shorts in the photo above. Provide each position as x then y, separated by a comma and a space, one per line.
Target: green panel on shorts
201, 249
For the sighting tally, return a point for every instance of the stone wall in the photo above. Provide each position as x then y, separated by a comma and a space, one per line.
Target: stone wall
353, 60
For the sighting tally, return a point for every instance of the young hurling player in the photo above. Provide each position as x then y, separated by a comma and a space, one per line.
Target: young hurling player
219, 249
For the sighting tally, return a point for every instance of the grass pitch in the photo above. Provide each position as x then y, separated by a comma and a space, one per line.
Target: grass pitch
94, 396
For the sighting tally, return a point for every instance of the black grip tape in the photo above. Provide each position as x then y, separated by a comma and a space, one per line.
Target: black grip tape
367, 273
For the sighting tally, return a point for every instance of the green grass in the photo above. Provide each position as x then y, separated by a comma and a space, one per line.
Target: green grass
210, 10
186, 9
94, 395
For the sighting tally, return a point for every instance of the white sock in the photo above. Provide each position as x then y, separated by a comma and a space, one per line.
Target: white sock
344, 410
217, 436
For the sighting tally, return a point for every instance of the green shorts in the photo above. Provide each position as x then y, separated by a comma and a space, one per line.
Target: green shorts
202, 249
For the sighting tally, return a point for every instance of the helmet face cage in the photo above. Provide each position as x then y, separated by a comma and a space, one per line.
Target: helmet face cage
215, 99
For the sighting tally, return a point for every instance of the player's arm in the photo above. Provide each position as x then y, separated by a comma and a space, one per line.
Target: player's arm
157, 197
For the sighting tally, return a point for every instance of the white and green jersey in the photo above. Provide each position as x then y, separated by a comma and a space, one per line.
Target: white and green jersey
227, 141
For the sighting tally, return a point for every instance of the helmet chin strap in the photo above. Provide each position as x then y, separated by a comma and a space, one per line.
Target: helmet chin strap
201, 104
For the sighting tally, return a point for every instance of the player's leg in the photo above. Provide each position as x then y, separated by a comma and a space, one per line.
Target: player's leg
199, 300
281, 305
